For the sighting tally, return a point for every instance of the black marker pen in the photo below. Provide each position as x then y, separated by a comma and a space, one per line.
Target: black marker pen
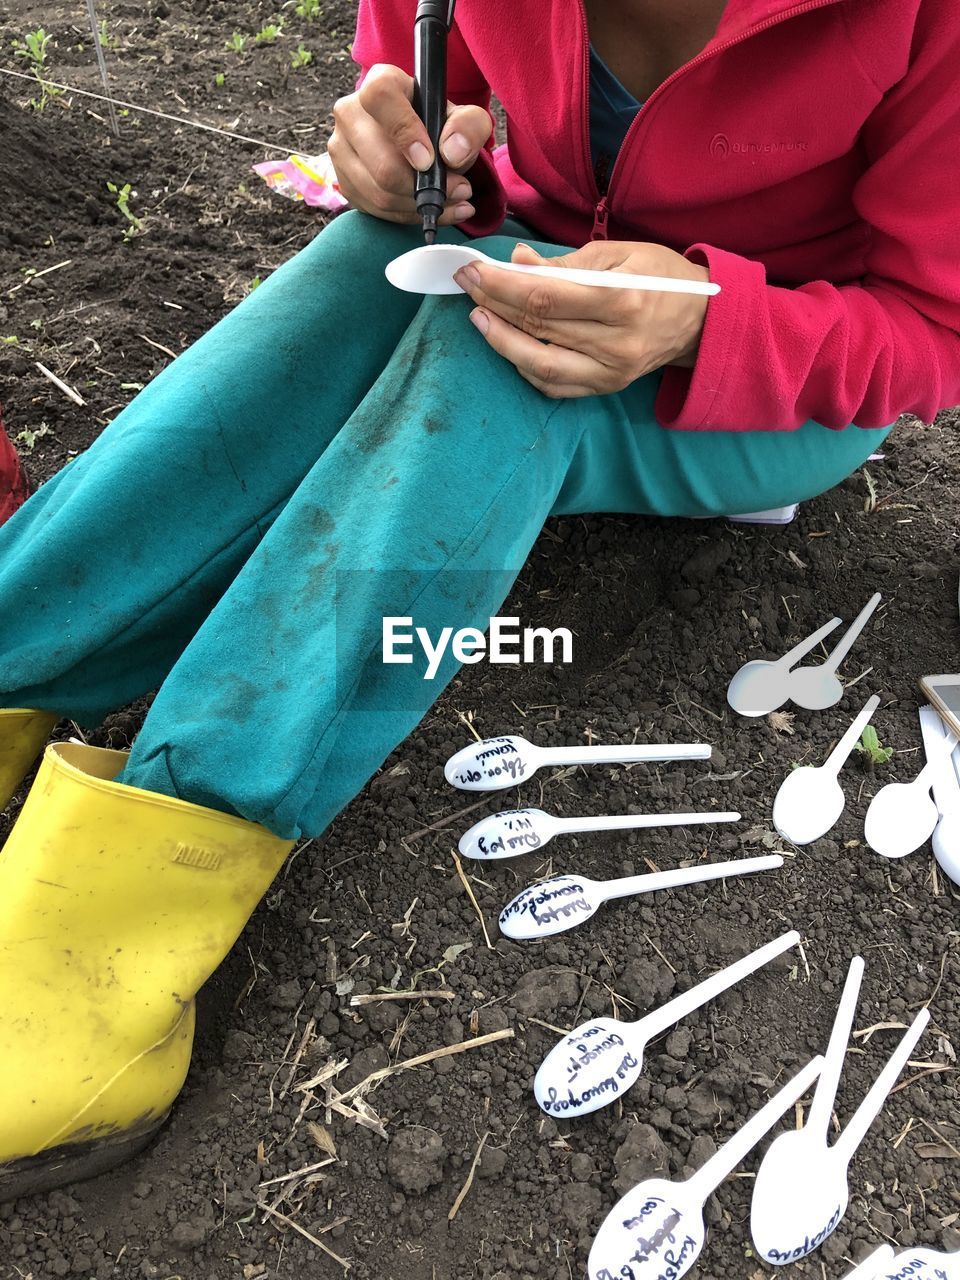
431, 25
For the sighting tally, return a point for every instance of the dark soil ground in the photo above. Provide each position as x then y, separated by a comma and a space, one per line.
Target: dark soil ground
663, 612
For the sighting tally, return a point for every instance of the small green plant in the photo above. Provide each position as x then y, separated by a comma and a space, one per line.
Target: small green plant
134, 224
237, 43
105, 39
309, 10
32, 49
27, 439
869, 747
300, 58
10, 340
267, 34
219, 79
255, 283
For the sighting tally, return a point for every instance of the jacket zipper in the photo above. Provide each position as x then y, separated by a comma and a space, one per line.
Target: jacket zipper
601, 203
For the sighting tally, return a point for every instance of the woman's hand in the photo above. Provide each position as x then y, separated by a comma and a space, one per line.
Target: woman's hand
379, 140
577, 340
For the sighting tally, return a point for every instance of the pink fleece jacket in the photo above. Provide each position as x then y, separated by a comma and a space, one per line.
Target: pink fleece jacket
810, 156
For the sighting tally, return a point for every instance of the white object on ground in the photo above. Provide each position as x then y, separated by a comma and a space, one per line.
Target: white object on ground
817, 688
871, 1268
922, 1264
657, 1229
563, 902
805, 1193
430, 269
517, 831
760, 686
946, 792
902, 815
789, 1216
810, 799
603, 1057
774, 515
497, 763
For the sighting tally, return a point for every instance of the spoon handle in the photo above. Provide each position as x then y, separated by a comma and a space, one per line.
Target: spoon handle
623, 755
838, 756
722, 1164
681, 1005
805, 646
628, 821
628, 885
850, 638
870, 1268
818, 1121
617, 279
870, 1107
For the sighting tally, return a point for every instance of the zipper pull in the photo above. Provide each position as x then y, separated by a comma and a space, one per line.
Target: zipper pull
600, 214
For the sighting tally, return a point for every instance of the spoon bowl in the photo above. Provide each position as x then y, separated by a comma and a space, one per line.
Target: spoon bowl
786, 1227
900, 818
807, 805
922, 1264
870, 1268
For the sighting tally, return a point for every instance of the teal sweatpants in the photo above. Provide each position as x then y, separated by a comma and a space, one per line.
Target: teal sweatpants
333, 451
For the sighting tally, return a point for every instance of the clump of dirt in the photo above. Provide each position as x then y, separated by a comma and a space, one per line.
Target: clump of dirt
280, 1115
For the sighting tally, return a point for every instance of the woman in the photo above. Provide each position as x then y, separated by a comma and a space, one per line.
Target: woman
345, 452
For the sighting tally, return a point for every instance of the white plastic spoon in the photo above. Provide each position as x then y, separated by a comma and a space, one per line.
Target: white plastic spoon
430, 269
816, 688
656, 1231
902, 815
497, 763
789, 1216
516, 831
760, 686
805, 1200
593, 1065
810, 799
870, 1268
923, 1264
946, 792
563, 902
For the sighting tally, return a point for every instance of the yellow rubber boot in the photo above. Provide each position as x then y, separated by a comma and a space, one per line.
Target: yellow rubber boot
22, 735
116, 905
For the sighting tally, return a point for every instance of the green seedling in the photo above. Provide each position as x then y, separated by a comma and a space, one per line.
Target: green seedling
309, 10
134, 224
219, 79
105, 39
255, 283
869, 747
300, 58
27, 439
10, 340
32, 49
269, 33
237, 43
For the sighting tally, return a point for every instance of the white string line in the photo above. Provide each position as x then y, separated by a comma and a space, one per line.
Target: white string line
132, 106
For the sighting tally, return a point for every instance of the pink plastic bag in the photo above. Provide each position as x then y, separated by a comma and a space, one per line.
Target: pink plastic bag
308, 178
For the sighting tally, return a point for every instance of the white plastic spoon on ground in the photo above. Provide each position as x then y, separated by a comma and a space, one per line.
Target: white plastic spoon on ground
596, 1063
656, 1230
430, 269
946, 792
872, 1268
497, 763
760, 686
817, 688
789, 1217
810, 799
563, 902
805, 1200
517, 831
902, 815
922, 1264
